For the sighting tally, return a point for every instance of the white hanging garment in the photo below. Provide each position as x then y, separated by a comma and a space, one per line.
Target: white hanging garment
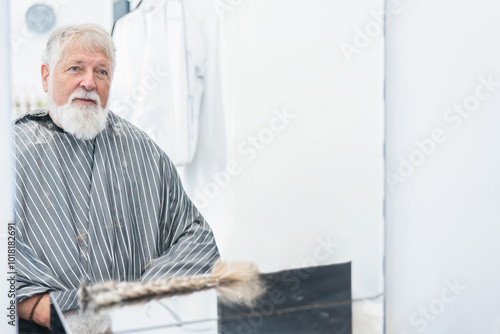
200, 149
156, 81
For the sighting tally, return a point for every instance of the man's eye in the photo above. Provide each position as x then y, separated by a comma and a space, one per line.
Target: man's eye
73, 68
103, 72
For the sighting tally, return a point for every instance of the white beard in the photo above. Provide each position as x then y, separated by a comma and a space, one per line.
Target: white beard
82, 121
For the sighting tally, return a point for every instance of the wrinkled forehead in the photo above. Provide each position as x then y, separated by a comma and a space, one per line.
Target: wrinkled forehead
77, 50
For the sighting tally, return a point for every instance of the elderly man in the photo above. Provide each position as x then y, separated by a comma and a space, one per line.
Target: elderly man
96, 199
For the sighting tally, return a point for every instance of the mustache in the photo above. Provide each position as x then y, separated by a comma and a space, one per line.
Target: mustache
86, 95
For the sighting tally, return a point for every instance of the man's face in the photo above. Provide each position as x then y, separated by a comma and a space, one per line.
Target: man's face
78, 88
78, 70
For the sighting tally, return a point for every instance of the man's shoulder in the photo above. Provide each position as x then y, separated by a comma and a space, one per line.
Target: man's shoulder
25, 125
30, 116
132, 136
121, 127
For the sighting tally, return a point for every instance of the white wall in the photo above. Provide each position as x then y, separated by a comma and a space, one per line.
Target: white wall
443, 213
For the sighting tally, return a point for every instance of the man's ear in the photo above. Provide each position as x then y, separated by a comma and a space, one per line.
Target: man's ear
45, 77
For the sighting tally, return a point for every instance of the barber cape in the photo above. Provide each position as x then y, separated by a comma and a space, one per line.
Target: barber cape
111, 208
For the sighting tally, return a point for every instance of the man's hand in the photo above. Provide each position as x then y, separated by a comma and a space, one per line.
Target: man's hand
41, 315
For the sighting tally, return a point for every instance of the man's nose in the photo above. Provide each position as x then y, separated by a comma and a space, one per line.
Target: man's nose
88, 81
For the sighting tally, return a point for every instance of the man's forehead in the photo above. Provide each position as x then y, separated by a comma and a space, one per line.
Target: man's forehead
76, 53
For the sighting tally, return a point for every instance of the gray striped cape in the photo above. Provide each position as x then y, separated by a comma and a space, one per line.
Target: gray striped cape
111, 208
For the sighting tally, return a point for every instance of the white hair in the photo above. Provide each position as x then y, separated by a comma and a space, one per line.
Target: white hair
89, 37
